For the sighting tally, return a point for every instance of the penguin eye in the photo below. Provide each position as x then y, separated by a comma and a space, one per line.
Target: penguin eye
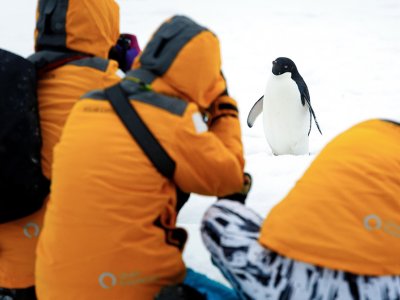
285, 66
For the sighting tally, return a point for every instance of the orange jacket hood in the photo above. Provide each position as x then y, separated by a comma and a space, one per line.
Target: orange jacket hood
343, 212
88, 26
185, 58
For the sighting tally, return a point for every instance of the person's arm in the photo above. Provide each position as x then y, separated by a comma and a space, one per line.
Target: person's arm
209, 161
224, 123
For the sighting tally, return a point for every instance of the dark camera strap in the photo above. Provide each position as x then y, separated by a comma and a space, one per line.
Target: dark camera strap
140, 132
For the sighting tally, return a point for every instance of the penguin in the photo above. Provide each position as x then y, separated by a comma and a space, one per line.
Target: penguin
287, 110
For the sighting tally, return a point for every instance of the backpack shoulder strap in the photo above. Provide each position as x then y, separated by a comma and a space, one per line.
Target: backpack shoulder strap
140, 132
47, 60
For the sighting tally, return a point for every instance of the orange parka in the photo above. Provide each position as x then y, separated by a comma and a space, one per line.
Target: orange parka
110, 229
344, 213
72, 39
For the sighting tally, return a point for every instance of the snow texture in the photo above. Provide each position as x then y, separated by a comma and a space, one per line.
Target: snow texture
348, 52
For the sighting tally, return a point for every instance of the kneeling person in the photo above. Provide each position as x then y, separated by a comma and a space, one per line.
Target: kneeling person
111, 224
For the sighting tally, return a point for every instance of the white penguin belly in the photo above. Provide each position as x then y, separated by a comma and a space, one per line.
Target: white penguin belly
286, 120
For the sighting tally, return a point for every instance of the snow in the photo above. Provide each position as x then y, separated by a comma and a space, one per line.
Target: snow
348, 52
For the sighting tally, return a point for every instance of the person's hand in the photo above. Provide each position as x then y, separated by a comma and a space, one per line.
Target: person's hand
242, 195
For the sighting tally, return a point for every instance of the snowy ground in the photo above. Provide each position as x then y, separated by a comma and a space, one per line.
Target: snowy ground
348, 52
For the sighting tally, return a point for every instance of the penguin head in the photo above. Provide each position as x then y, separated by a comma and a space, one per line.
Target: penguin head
283, 65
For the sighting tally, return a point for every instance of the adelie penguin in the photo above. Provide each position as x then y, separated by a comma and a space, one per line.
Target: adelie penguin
286, 108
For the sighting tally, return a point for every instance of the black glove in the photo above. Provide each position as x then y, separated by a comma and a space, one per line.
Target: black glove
242, 195
179, 292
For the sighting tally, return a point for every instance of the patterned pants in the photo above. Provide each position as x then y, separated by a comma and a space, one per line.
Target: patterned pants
230, 232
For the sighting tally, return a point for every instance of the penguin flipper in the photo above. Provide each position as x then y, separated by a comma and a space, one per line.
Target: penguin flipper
305, 97
255, 111
312, 115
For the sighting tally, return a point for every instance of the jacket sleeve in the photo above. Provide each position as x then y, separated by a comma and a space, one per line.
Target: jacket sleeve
224, 123
208, 161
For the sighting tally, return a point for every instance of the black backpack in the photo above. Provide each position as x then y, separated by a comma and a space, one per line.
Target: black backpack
23, 187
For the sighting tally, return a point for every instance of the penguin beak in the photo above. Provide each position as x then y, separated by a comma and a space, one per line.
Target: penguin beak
275, 68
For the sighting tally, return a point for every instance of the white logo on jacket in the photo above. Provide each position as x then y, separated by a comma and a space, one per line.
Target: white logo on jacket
374, 222
27, 230
108, 280
106, 284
